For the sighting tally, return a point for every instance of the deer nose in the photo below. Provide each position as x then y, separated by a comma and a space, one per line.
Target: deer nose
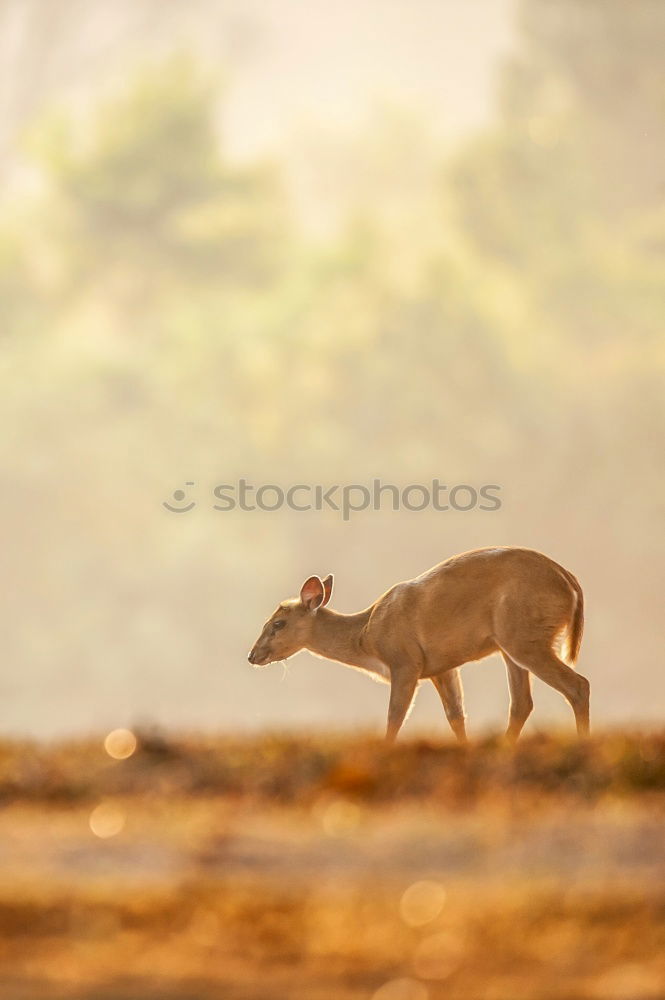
250, 656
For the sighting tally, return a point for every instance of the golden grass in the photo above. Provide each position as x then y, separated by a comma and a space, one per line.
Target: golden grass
295, 769
275, 869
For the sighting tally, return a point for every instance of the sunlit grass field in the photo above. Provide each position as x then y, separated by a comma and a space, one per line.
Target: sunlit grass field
332, 869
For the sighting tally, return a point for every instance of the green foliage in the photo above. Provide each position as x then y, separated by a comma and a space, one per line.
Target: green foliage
145, 199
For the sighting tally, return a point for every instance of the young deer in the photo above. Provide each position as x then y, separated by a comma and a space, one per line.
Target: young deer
508, 600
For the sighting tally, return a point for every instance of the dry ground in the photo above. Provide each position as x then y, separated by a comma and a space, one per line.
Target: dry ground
282, 869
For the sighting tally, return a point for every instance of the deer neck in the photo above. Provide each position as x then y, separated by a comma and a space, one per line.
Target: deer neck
340, 637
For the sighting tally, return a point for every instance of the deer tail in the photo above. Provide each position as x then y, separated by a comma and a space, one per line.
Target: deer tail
576, 625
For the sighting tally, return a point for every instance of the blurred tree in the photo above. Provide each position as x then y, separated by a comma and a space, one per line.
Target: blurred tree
146, 199
160, 261
562, 199
582, 129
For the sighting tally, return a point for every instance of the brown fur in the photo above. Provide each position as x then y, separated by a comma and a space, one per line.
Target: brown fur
510, 600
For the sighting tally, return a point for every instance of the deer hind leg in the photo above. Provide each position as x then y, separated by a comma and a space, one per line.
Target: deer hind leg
544, 663
521, 702
449, 686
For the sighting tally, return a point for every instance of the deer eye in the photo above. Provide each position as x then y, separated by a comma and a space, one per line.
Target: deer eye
280, 623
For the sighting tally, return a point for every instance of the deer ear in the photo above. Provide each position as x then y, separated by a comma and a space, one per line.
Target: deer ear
312, 593
327, 588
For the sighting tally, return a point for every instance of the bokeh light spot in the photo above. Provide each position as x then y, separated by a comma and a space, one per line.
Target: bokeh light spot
120, 744
438, 955
107, 820
340, 818
422, 902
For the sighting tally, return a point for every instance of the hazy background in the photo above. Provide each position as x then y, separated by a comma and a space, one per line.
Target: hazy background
303, 242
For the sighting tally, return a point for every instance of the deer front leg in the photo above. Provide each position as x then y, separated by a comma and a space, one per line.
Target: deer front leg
402, 690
